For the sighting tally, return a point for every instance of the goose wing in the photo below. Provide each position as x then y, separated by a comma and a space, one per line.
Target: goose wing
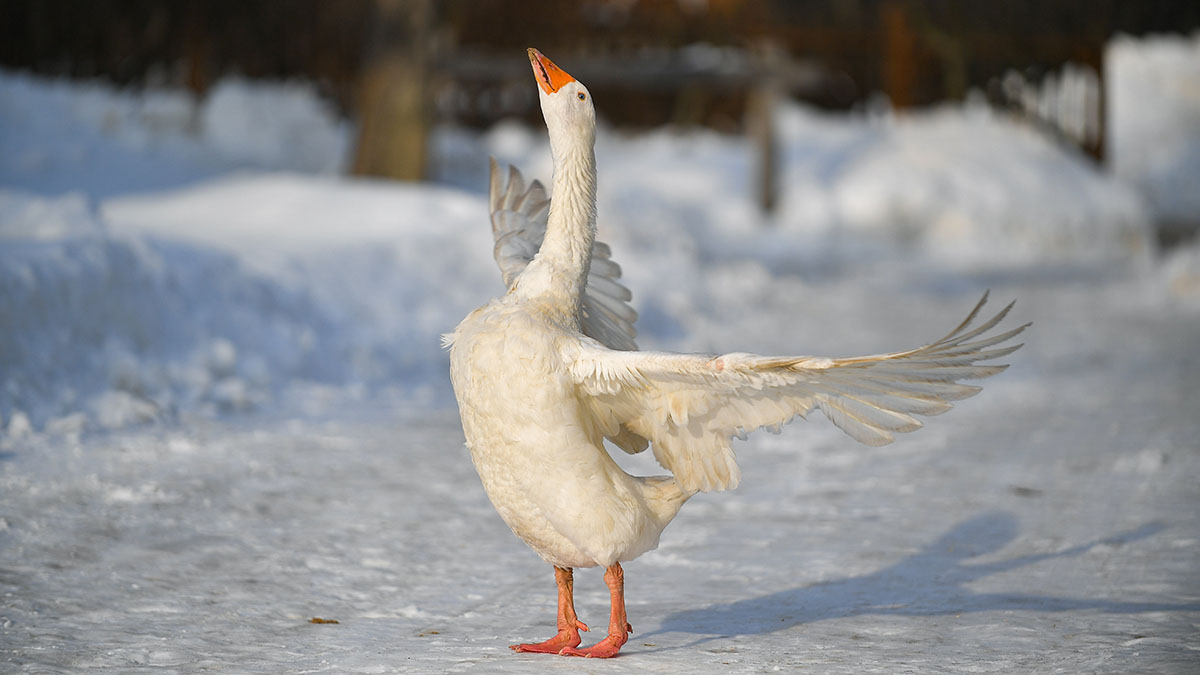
519, 211
692, 406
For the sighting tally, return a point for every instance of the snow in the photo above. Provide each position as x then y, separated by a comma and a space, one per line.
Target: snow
61, 137
224, 410
274, 125
1153, 87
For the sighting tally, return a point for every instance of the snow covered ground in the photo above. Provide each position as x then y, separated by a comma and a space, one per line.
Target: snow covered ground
224, 410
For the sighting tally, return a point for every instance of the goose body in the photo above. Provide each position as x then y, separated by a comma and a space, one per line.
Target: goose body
547, 372
540, 458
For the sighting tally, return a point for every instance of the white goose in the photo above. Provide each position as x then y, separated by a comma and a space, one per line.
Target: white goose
546, 373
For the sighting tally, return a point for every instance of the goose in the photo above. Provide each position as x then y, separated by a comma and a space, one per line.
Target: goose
544, 374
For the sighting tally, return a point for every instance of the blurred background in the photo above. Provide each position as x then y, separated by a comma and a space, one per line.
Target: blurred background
396, 68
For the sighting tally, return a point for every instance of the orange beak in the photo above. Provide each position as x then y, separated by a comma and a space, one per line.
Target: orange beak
549, 76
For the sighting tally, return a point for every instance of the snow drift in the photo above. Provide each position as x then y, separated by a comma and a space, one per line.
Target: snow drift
152, 270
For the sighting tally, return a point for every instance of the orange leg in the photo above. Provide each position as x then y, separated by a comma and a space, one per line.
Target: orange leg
618, 624
569, 625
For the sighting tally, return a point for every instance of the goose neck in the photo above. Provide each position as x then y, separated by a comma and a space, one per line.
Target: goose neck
559, 272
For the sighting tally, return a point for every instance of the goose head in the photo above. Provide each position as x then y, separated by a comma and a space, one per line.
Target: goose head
566, 103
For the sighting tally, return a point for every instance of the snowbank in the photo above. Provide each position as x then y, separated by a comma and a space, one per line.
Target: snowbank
303, 280
967, 183
98, 330
60, 136
151, 269
1154, 121
279, 125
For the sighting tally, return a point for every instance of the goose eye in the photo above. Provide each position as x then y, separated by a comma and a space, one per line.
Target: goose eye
582, 96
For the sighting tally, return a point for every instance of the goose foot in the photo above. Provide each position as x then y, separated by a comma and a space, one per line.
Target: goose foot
604, 649
569, 625
567, 638
618, 626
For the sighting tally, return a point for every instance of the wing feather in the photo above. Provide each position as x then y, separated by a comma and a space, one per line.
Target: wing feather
518, 212
690, 406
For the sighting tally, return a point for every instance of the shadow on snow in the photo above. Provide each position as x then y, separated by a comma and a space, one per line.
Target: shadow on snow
931, 582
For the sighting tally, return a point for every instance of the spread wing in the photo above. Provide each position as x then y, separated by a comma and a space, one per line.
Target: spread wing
692, 406
519, 211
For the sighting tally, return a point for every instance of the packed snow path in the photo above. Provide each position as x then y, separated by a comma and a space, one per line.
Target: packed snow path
1050, 523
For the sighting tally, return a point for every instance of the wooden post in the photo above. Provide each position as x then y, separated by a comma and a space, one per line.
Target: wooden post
196, 49
760, 125
899, 65
1096, 148
393, 106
